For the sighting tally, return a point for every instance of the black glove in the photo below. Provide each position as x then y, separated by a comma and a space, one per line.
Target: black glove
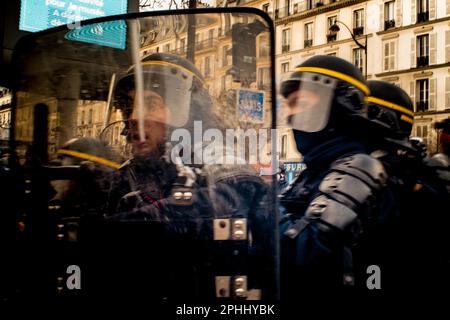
420, 148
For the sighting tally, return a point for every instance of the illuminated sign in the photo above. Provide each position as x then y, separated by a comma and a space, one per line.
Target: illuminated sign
37, 15
111, 34
293, 169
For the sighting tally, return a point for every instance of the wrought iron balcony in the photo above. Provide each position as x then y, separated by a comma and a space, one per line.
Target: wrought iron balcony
422, 61
388, 24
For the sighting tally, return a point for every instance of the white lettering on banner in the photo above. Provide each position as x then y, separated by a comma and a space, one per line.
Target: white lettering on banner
98, 3
56, 3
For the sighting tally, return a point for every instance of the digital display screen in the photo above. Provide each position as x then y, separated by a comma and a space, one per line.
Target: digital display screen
110, 34
37, 15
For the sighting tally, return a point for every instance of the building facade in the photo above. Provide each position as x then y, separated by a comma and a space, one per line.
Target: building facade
408, 44
5, 115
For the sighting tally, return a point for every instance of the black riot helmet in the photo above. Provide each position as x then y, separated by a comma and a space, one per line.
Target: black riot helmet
90, 149
390, 110
173, 78
174, 96
324, 91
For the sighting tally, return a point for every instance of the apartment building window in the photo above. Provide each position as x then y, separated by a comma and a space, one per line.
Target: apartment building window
264, 78
283, 153
286, 11
358, 22
423, 50
422, 10
263, 46
183, 45
333, 35
422, 89
223, 84
422, 131
225, 50
389, 17
285, 67
358, 58
167, 47
210, 37
265, 7
207, 67
447, 93
197, 38
311, 4
82, 117
285, 40
308, 42
389, 55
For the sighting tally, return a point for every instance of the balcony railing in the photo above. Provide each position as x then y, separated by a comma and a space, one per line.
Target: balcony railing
263, 52
264, 86
224, 32
300, 7
285, 48
422, 61
331, 37
179, 51
358, 31
422, 106
308, 43
422, 16
205, 44
283, 12
388, 24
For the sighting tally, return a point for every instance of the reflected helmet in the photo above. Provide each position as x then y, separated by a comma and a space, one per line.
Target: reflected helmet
90, 149
173, 78
390, 109
324, 91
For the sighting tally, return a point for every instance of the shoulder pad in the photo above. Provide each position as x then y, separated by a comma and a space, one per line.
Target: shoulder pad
331, 212
363, 167
439, 160
352, 183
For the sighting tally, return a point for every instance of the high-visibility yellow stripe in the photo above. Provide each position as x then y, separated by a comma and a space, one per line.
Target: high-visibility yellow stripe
338, 75
407, 119
173, 65
390, 105
90, 157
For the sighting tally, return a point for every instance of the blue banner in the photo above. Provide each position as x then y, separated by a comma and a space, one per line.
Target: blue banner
250, 105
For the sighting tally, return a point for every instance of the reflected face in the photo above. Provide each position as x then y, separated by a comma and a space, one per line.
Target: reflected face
156, 116
302, 101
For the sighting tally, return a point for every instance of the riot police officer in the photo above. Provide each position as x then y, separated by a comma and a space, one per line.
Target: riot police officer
390, 111
88, 188
440, 162
333, 202
184, 204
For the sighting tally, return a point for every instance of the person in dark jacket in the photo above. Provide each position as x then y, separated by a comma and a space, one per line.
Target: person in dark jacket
182, 202
332, 208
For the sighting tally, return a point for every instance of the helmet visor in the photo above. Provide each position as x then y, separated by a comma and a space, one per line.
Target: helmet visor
309, 98
164, 89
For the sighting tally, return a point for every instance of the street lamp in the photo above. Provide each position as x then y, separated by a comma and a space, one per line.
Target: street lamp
335, 28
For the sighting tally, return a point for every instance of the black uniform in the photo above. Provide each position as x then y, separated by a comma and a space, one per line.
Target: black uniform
412, 240
176, 212
334, 211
